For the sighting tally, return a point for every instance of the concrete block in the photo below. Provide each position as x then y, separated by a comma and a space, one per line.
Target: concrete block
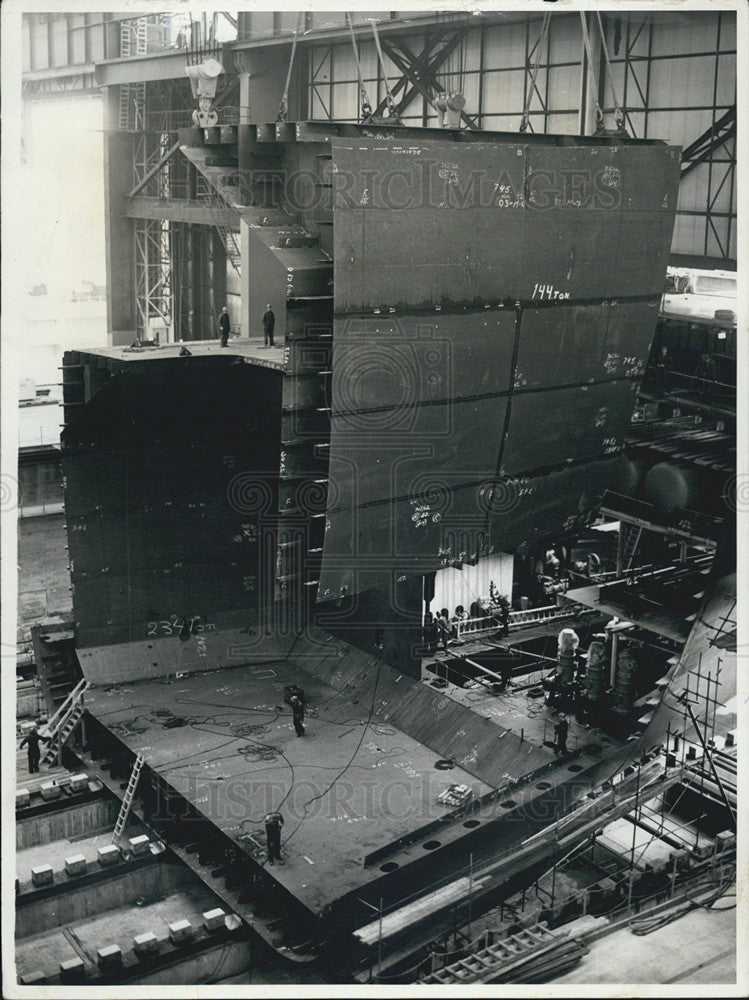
42, 875
50, 790
75, 865
23, 797
72, 970
139, 845
145, 944
108, 855
78, 782
29, 978
26, 727
109, 957
213, 920
180, 930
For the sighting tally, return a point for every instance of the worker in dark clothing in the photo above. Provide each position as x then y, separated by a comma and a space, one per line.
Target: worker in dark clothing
273, 823
505, 672
224, 326
504, 615
269, 325
32, 738
297, 708
560, 731
663, 365
443, 627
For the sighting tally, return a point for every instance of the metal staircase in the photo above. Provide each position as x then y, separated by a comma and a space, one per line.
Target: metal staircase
63, 722
127, 802
482, 966
229, 238
209, 196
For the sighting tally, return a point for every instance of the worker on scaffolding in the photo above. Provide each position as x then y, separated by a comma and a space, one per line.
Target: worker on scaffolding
32, 739
224, 326
273, 823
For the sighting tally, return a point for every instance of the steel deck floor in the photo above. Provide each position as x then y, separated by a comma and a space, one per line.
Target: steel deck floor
251, 349
352, 785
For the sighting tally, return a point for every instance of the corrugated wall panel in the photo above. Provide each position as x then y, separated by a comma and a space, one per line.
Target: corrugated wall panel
565, 40
59, 40
505, 46
503, 92
77, 37
689, 32
26, 43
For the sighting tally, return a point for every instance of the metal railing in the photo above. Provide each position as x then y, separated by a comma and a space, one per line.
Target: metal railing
473, 626
533, 615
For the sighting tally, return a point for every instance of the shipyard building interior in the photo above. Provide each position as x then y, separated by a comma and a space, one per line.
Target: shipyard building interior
376, 498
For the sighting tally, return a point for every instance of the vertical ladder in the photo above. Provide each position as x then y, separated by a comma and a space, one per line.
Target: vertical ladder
630, 547
127, 802
63, 722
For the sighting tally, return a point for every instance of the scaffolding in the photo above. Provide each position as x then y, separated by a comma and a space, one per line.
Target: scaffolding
177, 264
153, 278
133, 42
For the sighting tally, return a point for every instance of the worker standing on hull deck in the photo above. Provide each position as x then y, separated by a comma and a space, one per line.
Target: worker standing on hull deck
269, 325
32, 738
273, 823
560, 730
297, 708
224, 326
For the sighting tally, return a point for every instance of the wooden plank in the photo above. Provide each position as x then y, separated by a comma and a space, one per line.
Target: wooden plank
423, 907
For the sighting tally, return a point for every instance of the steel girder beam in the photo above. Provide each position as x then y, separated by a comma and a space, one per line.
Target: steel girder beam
711, 139
140, 68
181, 210
421, 71
402, 83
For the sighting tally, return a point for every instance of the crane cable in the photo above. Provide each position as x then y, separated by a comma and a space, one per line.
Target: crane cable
283, 108
366, 107
525, 120
589, 51
390, 100
618, 112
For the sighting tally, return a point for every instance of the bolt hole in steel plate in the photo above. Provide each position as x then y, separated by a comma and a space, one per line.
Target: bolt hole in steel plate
507, 804
543, 785
431, 844
471, 823
575, 768
389, 866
